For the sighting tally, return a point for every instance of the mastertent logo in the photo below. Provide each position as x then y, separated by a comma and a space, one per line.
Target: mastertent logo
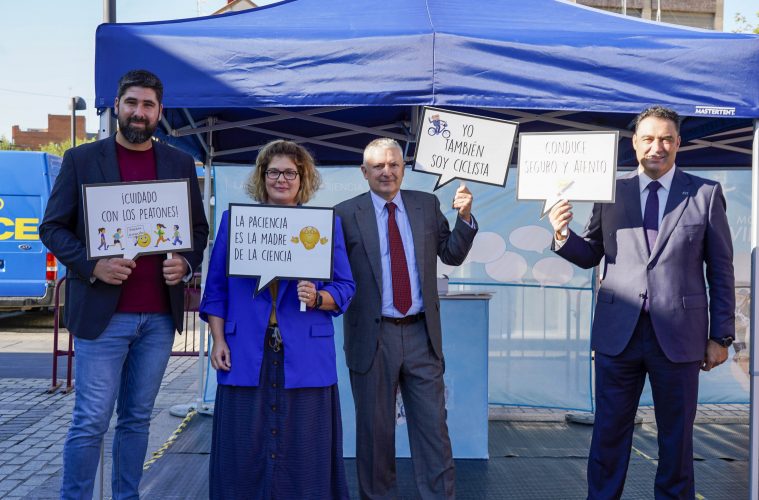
715, 110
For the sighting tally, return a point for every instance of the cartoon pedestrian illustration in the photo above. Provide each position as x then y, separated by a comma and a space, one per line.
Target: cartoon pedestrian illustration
176, 236
439, 127
117, 238
161, 234
103, 245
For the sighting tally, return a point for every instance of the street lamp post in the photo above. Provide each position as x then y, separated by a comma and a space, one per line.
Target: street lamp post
77, 104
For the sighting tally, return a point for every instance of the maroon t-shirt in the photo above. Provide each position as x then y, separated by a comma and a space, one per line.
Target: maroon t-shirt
145, 291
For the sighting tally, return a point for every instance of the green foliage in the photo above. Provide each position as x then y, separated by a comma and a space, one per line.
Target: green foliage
58, 148
55, 148
5, 144
743, 24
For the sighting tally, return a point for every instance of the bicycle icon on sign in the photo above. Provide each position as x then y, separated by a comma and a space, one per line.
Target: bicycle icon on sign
439, 127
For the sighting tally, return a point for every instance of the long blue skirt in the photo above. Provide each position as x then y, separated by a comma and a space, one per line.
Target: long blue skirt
274, 443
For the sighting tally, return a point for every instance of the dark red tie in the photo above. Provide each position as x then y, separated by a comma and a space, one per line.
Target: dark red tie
398, 267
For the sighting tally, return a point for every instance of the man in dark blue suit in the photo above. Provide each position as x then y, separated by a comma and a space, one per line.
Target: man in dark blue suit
652, 314
123, 313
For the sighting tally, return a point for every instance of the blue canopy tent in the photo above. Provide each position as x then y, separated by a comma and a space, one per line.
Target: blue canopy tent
336, 76
333, 75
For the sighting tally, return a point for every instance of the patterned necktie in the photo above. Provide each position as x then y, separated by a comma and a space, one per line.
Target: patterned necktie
398, 267
651, 215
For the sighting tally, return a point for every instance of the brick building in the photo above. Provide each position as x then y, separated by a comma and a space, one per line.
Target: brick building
58, 130
695, 13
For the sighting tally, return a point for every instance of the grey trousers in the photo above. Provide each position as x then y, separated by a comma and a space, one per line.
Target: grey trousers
404, 357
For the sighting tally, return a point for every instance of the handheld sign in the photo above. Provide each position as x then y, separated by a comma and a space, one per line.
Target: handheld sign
135, 218
270, 242
456, 145
578, 166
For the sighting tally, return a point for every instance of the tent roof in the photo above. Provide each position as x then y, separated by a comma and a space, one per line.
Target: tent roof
330, 61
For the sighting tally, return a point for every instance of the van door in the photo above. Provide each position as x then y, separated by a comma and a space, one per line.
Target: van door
23, 193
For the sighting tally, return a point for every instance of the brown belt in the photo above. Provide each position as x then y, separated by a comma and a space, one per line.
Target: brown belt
406, 320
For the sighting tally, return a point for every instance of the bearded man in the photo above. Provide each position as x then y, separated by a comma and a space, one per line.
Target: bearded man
122, 313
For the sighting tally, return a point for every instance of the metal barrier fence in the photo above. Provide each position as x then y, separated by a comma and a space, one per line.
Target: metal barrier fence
186, 344
69, 353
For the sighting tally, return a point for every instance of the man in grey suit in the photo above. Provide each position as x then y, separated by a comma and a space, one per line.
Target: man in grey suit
392, 329
652, 314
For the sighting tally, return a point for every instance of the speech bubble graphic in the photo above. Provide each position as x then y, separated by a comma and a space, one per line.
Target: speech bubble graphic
129, 219
455, 145
577, 166
552, 271
486, 247
508, 268
271, 242
531, 238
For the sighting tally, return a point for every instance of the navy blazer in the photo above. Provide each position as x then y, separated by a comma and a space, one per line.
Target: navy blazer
693, 233
90, 305
308, 337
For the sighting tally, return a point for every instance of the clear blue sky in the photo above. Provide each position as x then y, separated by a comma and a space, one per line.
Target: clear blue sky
47, 50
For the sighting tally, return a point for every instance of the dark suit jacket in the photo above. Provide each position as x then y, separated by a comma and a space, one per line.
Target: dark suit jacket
432, 238
90, 305
694, 232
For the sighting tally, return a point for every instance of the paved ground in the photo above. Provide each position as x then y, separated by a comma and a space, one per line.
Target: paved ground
33, 427
33, 423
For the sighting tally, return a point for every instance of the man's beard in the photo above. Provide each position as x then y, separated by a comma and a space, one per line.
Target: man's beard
134, 135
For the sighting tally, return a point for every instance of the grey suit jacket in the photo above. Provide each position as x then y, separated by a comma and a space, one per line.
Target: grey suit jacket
693, 233
432, 238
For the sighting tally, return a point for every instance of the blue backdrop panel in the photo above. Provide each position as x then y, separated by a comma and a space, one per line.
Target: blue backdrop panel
465, 344
540, 313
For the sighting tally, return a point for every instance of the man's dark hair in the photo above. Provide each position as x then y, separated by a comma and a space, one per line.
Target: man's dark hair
658, 112
141, 78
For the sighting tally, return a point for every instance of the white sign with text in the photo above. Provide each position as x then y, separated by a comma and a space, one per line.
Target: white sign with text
456, 145
270, 242
577, 166
128, 219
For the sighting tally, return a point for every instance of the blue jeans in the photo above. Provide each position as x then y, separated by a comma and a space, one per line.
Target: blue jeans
127, 361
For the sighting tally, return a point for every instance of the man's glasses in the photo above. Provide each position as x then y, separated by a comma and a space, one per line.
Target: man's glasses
273, 174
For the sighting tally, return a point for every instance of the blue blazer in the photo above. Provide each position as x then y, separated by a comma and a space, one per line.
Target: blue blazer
308, 337
694, 235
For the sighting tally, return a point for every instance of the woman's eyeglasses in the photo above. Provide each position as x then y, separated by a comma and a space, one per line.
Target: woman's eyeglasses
273, 174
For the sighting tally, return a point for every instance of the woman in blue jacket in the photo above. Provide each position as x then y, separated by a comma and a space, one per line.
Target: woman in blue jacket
277, 431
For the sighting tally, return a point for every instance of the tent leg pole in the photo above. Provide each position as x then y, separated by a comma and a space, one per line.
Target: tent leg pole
754, 420
202, 407
107, 124
181, 410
